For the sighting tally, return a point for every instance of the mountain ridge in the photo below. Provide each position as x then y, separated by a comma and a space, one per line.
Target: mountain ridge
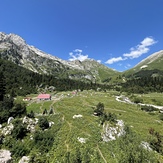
15, 48
153, 64
151, 58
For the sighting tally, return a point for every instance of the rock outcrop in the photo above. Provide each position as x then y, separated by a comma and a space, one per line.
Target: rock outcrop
112, 132
24, 159
30, 123
7, 130
5, 156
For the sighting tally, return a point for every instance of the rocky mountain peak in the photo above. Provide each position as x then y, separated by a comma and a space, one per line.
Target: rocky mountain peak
17, 40
2, 36
12, 41
15, 49
12, 38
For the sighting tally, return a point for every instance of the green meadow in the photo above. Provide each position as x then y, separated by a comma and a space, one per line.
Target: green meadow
68, 130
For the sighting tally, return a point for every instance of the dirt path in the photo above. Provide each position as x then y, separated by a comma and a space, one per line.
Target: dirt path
41, 110
127, 100
101, 154
54, 101
70, 127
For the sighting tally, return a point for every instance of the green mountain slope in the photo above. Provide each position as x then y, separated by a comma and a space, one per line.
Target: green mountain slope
151, 65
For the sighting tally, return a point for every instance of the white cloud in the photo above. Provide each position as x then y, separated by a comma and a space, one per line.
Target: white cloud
78, 51
77, 55
140, 49
113, 60
99, 61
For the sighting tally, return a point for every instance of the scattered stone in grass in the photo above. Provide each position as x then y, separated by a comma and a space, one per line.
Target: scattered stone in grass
77, 116
146, 146
24, 159
10, 120
158, 121
31, 137
82, 140
8, 129
51, 123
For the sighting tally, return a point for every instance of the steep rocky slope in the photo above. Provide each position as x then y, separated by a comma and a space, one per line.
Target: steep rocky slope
14, 48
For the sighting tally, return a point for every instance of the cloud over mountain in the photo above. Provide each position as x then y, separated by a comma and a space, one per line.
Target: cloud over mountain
135, 52
140, 49
77, 55
113, 60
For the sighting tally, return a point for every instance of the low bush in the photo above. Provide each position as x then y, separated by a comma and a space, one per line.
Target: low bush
148, 108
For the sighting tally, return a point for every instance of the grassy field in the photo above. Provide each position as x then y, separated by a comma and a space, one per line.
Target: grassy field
66, 105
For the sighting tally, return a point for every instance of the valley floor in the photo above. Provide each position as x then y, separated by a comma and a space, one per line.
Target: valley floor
76, 134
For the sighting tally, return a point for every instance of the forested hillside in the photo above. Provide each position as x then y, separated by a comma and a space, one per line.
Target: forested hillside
20, 81
144, 81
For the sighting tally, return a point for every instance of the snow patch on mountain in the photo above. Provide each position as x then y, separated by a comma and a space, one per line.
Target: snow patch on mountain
144, 66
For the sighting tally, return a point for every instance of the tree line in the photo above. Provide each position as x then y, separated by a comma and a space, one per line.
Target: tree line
17, 80
143, 85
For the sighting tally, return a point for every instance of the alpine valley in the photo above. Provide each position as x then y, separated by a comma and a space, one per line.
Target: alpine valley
57, 111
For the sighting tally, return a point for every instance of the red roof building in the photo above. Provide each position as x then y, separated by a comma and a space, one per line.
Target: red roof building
44, 97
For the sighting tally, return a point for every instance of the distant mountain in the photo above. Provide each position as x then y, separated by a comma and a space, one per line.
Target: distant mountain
150, 66
15, 49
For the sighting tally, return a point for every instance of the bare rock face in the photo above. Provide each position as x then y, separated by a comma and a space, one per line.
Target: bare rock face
15, 49
111, 133
8, 129
24, 159
15, 42
30, 123
5, 156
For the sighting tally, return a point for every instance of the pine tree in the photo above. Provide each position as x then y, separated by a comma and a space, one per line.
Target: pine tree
2, 86
51, 111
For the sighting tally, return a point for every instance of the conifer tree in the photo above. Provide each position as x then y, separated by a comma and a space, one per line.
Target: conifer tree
2, 86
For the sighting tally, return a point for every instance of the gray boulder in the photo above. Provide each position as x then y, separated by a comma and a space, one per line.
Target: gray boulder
5, 156
10, 120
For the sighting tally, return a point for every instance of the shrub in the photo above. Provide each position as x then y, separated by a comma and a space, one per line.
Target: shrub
111, 117
43, 123
161, 116
19, 131
31, 114
138, 100
99, 109
156, 140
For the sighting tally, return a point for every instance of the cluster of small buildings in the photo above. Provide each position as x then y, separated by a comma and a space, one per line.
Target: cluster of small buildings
39, 97
44, 97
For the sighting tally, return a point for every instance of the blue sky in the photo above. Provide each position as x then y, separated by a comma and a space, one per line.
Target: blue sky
117, 33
